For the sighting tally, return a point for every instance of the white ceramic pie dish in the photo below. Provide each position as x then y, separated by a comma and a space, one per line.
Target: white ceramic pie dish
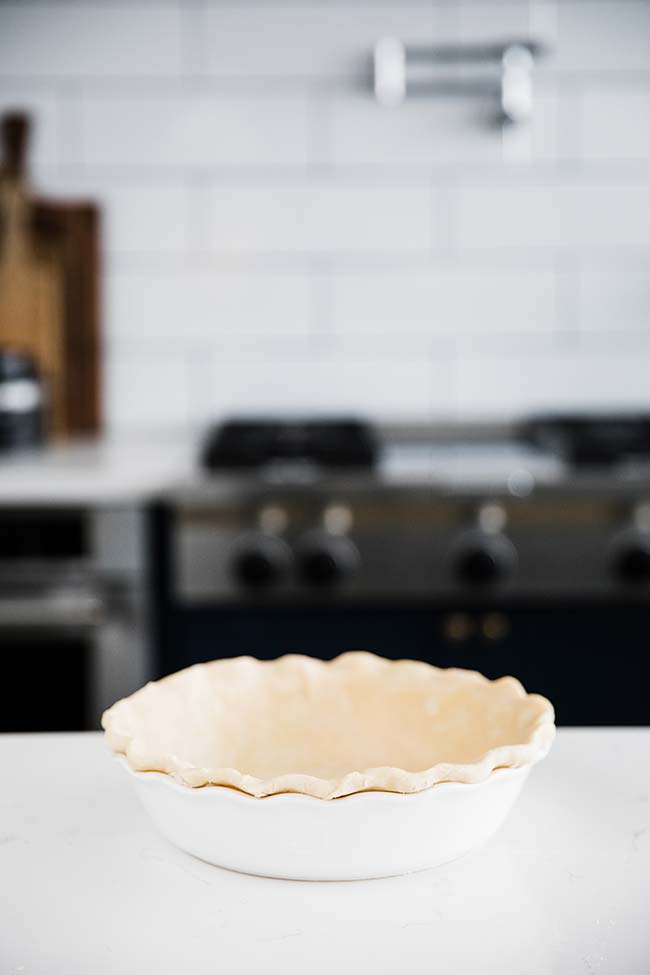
353, 768
355, 837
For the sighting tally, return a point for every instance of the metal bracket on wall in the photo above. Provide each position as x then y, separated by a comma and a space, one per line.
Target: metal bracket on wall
401, 71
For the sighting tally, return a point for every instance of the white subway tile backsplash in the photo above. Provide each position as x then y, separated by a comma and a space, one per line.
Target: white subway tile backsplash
189, 128
603, 35
380, 389
444, 301
515, 18
82, 40
185, 304
616, 123
559, 214
615, 301
308, 40
437, 130
322, 217
274, 240
146, 389
514, 385
146, 219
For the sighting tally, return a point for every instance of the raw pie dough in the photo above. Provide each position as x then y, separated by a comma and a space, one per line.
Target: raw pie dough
328, 729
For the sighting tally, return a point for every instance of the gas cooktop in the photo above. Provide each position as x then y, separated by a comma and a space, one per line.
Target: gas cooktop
586, 452
552, 507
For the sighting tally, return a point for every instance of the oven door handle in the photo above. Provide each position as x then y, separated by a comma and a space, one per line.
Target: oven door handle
57, 611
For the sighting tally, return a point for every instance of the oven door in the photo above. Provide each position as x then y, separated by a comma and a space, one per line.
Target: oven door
48, 638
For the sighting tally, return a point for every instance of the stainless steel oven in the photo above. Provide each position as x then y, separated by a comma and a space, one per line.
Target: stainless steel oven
72, 614
522, 552
577, 635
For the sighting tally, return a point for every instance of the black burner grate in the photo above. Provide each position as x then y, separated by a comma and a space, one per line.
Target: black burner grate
253, 443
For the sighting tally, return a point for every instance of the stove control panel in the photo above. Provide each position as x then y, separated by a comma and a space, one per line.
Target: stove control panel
307, 543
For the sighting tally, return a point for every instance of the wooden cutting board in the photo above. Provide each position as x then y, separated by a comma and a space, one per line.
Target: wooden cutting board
49, 288
31, 290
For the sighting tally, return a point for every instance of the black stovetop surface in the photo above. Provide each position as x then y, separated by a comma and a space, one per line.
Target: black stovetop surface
556, 445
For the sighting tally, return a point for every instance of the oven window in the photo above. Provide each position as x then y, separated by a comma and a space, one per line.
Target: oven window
26, 534
45, 683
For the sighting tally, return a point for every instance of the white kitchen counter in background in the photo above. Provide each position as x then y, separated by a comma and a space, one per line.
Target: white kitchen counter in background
101, 471
87, 885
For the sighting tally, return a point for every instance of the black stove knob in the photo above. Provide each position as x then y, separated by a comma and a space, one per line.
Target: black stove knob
326, 560
631, 563
485, 559
260, 561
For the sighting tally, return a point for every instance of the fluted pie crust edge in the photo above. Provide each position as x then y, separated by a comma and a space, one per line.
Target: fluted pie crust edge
241, 708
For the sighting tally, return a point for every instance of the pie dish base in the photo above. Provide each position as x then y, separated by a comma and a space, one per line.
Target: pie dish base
357, 837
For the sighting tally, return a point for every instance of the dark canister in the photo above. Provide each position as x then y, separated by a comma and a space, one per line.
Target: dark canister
21, 401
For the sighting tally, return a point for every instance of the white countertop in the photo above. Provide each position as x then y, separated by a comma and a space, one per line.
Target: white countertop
87, 885
132, 468
127, 468
101, 471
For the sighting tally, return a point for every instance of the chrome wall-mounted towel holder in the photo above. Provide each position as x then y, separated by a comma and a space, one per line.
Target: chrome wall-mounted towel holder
403, 71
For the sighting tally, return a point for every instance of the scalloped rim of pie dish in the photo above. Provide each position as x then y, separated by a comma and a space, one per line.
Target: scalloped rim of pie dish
127, 732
